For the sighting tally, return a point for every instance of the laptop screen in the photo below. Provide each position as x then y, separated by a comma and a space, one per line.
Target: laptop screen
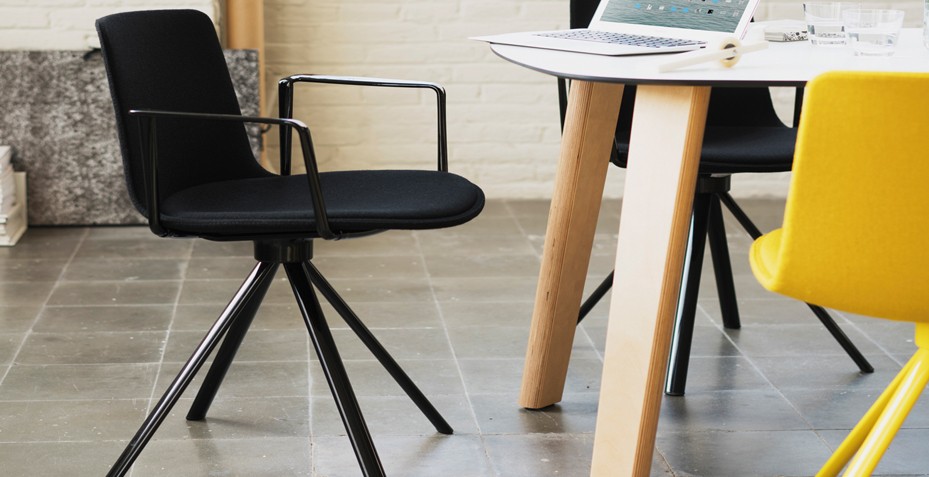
709, 15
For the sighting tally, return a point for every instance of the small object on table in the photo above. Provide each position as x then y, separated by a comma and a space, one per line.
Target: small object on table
727, 53
784, 33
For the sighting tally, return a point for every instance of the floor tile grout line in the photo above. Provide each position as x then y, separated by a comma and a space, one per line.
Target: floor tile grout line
851, 324
448, 339
671, 448
160, 364
253, 361
142, 398
311, 431
35, 320
665, 461
590, 341
523, 232
718, 325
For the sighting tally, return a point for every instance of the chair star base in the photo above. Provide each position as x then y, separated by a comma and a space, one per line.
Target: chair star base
232, 326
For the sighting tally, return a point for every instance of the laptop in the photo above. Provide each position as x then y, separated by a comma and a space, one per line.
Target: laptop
636, 27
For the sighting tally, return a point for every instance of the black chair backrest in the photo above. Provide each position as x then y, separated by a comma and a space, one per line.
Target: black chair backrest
582, 11
728, 106
171, 60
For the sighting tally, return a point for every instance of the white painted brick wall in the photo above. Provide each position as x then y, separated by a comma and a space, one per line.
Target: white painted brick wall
503, 119
69, 24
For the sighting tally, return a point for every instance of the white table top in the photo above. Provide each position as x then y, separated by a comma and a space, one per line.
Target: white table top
781, 64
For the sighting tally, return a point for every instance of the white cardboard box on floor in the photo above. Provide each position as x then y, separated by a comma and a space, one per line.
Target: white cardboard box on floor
13, 224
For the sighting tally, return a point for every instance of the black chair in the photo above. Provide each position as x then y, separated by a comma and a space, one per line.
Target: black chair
743, 134
191, 172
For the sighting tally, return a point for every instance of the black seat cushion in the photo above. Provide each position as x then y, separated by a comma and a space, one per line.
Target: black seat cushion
356, 202
747, 149
729, 150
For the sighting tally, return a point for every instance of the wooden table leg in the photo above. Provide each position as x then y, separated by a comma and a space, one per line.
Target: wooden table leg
667, 133
585, 150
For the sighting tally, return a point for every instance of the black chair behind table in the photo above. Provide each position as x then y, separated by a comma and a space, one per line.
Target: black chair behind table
191, 172
743, 134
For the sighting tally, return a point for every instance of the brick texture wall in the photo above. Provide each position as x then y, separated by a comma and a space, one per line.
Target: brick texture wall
503, 119
69, 24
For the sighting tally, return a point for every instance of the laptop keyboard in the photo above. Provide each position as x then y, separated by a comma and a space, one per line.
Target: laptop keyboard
620, 38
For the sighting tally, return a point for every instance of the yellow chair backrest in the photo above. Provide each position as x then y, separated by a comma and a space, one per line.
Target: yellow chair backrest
856, 225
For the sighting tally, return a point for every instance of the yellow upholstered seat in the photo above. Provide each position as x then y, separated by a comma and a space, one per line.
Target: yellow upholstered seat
856, 227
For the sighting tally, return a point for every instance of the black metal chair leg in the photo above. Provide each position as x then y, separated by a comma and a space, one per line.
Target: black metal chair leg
226, 352
595, 297
842, 338
722, 267
819, 311
679, 359
740, 215
378, 350
334, 370
189, 370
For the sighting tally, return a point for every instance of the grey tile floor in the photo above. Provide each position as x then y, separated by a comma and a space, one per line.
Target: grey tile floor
95, 322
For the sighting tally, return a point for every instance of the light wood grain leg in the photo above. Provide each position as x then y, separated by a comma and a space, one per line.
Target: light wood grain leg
667, 133
585, 151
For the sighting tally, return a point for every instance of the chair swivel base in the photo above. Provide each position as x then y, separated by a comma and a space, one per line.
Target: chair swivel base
233, 324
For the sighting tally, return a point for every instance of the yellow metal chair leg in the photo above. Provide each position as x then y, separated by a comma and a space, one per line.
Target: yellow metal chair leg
871, 437
892, 418
860, 432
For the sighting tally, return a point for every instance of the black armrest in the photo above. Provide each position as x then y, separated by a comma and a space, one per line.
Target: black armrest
285, 100
149, 144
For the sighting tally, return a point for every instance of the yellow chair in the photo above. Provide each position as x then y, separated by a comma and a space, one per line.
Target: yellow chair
855, 228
